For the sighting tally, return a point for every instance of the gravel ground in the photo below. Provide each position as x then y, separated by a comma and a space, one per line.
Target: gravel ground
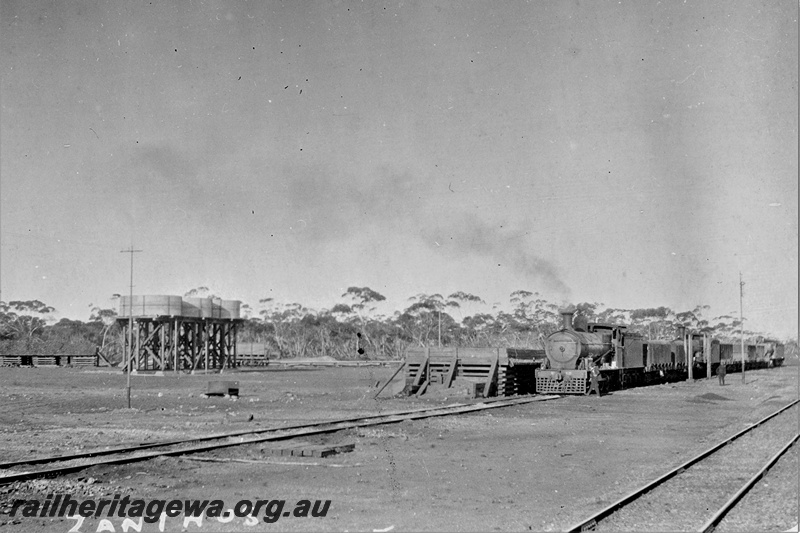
764, 508
539, 467
688, 500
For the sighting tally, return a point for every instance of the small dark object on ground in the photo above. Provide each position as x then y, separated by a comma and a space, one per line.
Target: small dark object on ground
304, 449
222, 388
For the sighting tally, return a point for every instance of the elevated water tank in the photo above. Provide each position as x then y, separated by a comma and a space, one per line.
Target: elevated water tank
216, 308
207, 308
167, 305
150, 305
230, 308
202, 307
197, 307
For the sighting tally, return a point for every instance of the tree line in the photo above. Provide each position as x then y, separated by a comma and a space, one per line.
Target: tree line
352, 329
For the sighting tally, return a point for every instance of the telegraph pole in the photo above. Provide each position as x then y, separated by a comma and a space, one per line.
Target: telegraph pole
687, 344
129, 351
440, 328
741, 320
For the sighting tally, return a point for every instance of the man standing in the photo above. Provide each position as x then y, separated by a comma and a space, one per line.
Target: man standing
721, 371
594, 375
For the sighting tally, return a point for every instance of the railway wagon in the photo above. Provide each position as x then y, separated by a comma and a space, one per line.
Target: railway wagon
759, 355
775, 352
762, 354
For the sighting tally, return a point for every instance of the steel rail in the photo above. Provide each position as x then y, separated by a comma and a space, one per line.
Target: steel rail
280, 433
145, 446
714, 521
590, 522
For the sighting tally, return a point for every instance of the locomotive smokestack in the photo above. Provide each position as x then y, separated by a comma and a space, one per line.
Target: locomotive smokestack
566, 317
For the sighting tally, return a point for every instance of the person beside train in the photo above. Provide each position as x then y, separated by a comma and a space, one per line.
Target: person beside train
721, 371
594, 376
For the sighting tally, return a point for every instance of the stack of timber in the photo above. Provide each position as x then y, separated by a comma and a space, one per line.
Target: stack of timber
251, 354
14, 360
48, 360
305, 449
255, 354
78, 360
524, 362
484, 371
252, 360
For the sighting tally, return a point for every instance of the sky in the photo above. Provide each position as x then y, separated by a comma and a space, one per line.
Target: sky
630, 153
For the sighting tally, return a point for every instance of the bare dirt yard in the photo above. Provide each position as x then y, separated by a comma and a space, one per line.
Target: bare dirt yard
534, 467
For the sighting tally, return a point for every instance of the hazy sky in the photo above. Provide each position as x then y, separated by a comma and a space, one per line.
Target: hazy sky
634, 153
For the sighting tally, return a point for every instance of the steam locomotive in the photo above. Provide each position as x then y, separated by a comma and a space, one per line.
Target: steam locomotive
626, 359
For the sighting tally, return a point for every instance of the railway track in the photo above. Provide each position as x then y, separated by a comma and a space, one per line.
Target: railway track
699, 493
14, 471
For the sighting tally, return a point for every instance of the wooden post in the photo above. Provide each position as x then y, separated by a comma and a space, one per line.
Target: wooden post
448, 380
128, 364
196, 362
687, 343
141, 342
219, 336
490, 378
399, 368
235, 346
131, 344
422, 370
195, 345
162, 352
175, 346
707, 352
226, 345
205, 341
136, 346
741, 321
103, 357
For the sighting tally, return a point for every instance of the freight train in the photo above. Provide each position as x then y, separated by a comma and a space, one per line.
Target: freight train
626, 359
